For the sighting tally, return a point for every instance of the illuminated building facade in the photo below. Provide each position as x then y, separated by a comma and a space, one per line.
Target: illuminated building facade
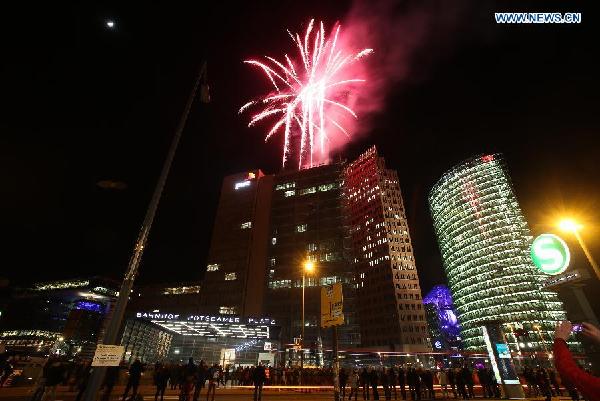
308, 224
389, 303
74, 310
235, 273
442, 322
183, 297
485, 246
178, 335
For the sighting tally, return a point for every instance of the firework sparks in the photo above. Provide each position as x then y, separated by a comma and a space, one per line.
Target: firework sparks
308, 100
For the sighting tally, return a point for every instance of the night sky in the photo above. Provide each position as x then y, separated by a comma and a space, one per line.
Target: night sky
82, 103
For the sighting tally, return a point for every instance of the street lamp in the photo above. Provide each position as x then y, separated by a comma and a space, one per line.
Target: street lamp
573, 227
307, 267
114, 324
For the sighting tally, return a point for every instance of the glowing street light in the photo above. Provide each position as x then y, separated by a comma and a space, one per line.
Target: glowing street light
110, 24
571, 226
307, 267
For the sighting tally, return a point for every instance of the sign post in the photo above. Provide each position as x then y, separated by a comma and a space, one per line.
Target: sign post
550, 254
332, 315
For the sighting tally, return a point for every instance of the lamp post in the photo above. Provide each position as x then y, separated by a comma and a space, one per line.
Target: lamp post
114, 325
307, 267
573, 227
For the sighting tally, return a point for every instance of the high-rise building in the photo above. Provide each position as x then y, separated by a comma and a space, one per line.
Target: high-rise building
390, 307
308, 224
485, 246
348, 219
235, 275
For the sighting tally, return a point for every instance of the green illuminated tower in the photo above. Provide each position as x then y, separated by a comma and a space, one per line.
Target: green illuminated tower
485, 245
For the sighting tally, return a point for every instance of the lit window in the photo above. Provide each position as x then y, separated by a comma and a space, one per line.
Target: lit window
286, 185
289, 193
228, 310
247, 224
242, 184
311, 247
305, 191
329, 280
328, 187
301, 228
272, 262
230, 276
273, 240
213, 267
280, 284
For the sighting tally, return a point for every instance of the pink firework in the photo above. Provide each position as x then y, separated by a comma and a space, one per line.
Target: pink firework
309, 97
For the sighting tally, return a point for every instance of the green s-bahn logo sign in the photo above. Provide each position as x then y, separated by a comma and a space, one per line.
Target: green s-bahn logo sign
550, 254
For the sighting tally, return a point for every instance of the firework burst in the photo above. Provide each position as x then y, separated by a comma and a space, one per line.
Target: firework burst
309, 96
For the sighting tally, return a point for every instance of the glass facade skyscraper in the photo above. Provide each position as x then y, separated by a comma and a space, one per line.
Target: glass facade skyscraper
485, 246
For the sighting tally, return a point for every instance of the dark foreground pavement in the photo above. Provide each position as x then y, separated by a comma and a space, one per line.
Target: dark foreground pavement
222, 394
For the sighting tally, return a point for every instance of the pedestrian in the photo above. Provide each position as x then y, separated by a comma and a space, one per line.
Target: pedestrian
467, 375
82, 378
392, 380
213, 377
161, 378
173, 373
544, 383
554, 382
343, 378
374, 380
189, 375
484, 382
54, 372
133, 382
259, 377
7, 370
428, 382
364, 379
411, 379
442, 377
200, 379
452, 381
112, 375
385, 383
354, 381
402, 382
460, 384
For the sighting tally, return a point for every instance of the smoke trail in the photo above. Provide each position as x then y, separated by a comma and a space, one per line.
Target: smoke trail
400, 34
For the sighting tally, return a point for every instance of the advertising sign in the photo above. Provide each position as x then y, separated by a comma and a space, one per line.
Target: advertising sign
108, 355
550, 254
332, 305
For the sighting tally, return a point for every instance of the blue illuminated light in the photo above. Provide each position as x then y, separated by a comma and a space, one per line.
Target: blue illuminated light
441, 299
90, 306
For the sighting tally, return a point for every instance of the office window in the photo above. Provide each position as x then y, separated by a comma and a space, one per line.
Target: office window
301, 228
286, 185
306, 191
230, 276
227, 310
213, 267
245, 225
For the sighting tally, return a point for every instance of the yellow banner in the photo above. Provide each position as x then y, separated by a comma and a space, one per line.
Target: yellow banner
332, 305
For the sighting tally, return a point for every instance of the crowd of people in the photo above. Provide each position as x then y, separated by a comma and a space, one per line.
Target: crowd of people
192, 378
414, 383
195, 380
